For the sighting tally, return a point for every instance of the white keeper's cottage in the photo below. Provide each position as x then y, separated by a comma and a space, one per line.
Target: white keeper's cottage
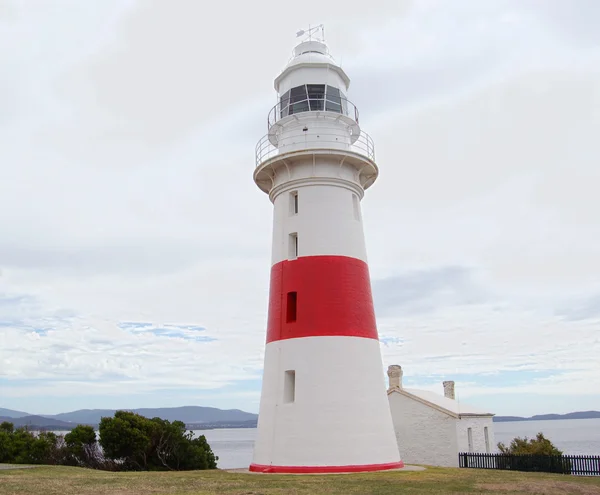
432, 429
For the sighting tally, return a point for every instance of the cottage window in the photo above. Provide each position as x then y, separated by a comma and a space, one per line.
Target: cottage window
487, 439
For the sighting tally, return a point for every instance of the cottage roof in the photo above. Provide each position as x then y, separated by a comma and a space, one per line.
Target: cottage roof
445, 404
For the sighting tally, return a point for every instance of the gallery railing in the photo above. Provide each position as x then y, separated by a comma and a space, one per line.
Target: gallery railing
330, 139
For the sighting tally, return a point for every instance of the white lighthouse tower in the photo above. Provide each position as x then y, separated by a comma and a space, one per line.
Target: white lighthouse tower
323, 406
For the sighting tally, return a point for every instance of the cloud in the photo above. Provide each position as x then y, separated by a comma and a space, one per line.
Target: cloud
426, 290
485, 346
73, 356
142, 256
575, 21
581, 309
185, 332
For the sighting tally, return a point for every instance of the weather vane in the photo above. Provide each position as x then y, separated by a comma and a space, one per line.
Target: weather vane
312, 31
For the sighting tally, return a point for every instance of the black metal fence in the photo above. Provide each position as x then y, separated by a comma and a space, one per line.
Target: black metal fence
581, 465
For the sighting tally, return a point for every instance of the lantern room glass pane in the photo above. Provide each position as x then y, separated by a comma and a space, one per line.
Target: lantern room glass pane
284, 103
298, 94
333, 107
332, 92
316, 96
334, 100
298, 100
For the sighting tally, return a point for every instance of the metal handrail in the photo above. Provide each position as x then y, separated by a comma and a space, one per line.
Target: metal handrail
347, 108
364, 145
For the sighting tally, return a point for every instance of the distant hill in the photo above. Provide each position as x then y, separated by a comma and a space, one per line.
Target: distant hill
222, 424
542, 417
38, 422
195, 417
82, 416
504, 419
187, 414
9, 413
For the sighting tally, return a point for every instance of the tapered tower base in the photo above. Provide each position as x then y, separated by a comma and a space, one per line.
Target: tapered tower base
324, 408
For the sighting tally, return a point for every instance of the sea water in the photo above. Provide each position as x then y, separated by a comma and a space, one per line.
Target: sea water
572, 436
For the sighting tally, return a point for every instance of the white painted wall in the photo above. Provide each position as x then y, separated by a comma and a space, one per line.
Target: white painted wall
477, 424
424, 434
307, 130
309, 169
312, 75
326, 222
340, 415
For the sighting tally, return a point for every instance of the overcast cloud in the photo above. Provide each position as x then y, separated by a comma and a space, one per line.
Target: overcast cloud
135, 247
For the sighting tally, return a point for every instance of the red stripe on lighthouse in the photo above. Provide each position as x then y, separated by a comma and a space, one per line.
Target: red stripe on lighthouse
332, 298
258, 468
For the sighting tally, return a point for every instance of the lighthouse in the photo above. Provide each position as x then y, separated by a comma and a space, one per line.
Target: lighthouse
323, 406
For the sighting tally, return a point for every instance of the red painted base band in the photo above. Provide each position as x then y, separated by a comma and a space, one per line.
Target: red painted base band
259, 468
333, 298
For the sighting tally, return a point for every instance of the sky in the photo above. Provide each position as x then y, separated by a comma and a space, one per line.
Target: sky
135, 247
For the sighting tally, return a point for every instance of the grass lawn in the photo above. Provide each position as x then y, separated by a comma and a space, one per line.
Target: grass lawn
76, 481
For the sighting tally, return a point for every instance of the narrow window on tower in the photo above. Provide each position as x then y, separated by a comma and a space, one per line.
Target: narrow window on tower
470, 439
289, 386
294, 203
293, 246
291, 307
356, 207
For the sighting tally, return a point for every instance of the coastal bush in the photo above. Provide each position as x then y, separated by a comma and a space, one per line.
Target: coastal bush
128, 442
7, 427
539, 445
21, 446
5, 441
139, 443
535, 454
82, 449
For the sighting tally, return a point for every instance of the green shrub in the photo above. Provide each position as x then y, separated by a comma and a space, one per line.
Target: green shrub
139, 443
539, 445
128, 441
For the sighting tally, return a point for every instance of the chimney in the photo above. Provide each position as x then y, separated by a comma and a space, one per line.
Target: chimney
449, 389
395, 376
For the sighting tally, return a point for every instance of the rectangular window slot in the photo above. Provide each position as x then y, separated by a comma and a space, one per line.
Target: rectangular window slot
356, 207
293, 246
294, 203
291, 307
470, 438
289, 386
